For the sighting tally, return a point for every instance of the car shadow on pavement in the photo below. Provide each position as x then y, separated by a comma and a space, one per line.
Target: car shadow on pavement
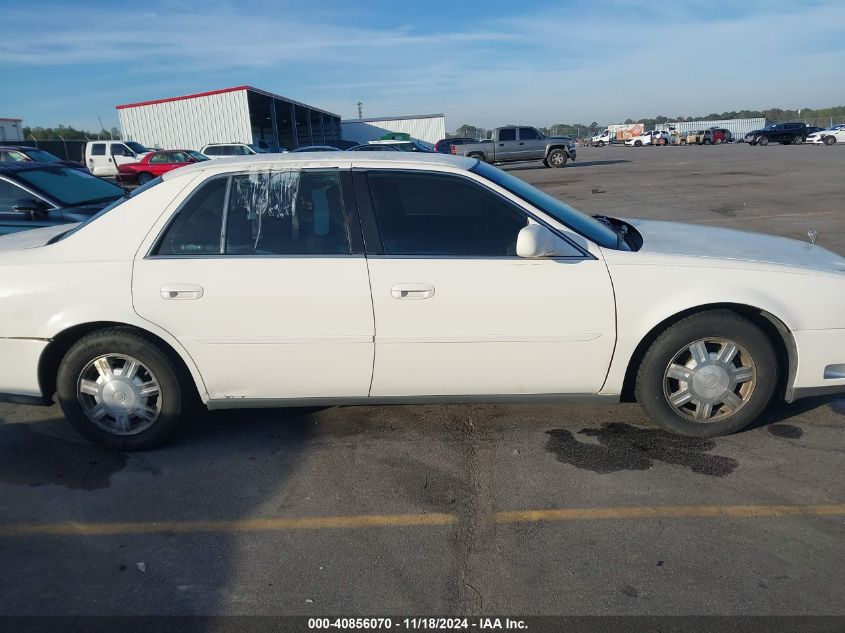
780, 412
586, 163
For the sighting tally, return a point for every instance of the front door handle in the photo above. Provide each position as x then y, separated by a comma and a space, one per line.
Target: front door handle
412, 291
182, 291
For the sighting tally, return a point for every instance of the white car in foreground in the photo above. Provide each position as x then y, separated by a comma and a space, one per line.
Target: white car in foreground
357, 278
830, 136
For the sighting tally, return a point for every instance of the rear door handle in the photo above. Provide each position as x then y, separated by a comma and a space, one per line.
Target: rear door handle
182, 291
412, 291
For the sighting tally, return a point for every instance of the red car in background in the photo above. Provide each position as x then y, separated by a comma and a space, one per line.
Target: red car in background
157, 163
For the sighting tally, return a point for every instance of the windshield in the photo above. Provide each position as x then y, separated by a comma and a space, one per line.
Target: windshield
105, 210
42, 156
136, 147
592, 229
70, 187
257, 149
198, 156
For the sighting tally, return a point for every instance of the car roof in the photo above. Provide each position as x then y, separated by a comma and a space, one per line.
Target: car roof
338, 159
13, 168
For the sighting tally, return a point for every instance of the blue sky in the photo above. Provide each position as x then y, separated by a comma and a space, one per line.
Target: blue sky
484, 63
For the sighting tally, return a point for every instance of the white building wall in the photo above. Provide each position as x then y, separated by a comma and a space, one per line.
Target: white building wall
738, 127
11, 129
428, 128
189, 123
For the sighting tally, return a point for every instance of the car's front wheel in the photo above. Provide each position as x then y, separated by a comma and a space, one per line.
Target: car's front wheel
144, 178
829, 140
797, 139
763, 140
557, 158
707, 375
120, 389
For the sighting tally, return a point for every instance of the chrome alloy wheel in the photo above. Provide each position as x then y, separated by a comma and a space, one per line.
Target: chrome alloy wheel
557, 158
710, 379
118, 394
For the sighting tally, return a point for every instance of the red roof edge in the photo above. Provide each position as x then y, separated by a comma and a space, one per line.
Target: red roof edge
193, 96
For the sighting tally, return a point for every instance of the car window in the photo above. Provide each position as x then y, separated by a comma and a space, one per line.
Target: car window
9, 194
162, 157
71, 187
211, 151
98, 149
507, 135
15, 157
528, 134
197, 227
178, 157
439, 214
286, 213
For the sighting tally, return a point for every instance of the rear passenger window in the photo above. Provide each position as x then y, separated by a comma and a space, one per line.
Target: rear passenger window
436, 214
286, 213
98, 149
507, 135
197, 228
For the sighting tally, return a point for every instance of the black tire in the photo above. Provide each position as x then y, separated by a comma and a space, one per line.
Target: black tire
797, 139
763, 140
479, 156
638, 143
175, 396
683, 141
829, 140
601, 143
652, 395
144, 178
557, 158
546, 163
707, 141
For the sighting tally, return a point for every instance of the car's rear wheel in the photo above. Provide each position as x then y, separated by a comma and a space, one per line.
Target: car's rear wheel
144, 178
707, 141
557, 158
120, 389
683, 141
763, 141
797, 139
829, 140
707, 375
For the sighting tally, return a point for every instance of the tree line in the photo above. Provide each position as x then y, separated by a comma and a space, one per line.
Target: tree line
67, 132
581, 129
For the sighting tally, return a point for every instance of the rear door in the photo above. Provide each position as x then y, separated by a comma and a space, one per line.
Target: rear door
262, 277
506, 146
100, 162
458, 313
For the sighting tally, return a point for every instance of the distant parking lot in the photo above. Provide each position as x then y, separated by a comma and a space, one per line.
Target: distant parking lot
460, 509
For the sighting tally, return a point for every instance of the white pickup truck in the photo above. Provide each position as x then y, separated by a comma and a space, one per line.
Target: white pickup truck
102, 158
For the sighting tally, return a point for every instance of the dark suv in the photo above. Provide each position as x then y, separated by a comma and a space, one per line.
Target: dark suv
784, 133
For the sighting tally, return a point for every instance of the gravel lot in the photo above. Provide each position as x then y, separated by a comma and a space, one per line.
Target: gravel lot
419, 510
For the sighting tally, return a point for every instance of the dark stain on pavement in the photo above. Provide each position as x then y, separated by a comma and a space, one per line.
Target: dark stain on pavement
630, 591
727, 210
787, 431
838, 405
625, 447
28, 458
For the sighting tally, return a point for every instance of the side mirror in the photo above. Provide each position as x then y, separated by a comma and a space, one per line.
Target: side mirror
534, 241
29, 205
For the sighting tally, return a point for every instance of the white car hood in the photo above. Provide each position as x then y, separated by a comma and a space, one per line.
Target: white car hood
694, 240
32, 238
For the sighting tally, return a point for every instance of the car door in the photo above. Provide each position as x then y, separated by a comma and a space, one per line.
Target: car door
12, 221
458, 313
262, 277
507, 147
99, 160
122, 155
531, 145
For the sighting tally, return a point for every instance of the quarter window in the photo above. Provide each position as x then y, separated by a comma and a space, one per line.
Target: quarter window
286, 213
437, 214
98, 149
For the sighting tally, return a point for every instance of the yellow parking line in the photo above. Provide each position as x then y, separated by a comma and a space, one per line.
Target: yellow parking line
414, 520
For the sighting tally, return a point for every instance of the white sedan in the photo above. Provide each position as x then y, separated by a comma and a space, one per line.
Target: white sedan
830, 136
356, 278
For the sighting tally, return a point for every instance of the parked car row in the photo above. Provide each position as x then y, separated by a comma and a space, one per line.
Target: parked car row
783, 133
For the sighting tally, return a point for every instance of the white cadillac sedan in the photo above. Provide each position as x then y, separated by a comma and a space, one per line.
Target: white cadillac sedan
353, 278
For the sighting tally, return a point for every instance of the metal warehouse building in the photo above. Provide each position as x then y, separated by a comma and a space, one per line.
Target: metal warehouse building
242, 114
423, 127
738, 127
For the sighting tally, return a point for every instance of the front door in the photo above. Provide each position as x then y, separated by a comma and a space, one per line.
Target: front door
260, 279
457, 312
531, 145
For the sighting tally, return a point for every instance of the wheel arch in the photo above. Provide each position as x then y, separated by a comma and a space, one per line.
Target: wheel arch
774, 328
553, 146
51, 357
